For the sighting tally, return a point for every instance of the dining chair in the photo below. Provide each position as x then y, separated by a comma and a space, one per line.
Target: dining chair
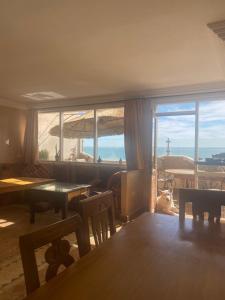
98, 212
114, 184
56, 255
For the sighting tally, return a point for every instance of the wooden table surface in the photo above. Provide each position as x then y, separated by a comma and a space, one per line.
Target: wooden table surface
150, 258
21, 183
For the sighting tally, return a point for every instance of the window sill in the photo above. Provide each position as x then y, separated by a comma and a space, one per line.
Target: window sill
106, 164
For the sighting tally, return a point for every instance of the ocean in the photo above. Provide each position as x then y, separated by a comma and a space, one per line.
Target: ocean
107, 153
117, 153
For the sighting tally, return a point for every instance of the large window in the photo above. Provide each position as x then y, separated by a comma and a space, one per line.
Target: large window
78, 136
175, 107
176, 135
211, 129
176, 129
48, 144
95, 135
194, 129
110, 128
189, 147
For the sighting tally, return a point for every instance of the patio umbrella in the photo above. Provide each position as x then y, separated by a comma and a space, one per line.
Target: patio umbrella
82, 125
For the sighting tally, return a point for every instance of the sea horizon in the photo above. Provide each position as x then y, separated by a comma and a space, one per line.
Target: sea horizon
117, 153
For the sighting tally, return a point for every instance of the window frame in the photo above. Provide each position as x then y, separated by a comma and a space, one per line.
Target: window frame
95, 136
195, 112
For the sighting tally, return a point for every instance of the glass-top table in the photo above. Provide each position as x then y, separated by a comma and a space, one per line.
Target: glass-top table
57, 194
61, 187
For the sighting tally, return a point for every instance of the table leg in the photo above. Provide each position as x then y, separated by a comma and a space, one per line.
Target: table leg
181, 209
195, 210
65, 207
32, 214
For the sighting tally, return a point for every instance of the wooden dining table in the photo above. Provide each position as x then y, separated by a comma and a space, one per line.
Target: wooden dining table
150, 258
15, 184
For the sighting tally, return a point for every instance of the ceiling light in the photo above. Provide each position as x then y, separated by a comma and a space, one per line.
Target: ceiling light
43, 96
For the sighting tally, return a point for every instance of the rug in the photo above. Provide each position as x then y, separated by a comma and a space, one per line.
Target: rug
14, 221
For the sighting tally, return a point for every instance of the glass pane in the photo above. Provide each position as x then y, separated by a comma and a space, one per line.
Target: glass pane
78, 136
48, 141
180, 132
211, 129
174, 107
111, 134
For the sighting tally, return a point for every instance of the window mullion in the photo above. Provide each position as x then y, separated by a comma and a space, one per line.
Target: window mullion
61, 136
196, 142
95, 136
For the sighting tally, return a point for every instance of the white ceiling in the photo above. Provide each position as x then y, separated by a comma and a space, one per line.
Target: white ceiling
81, 48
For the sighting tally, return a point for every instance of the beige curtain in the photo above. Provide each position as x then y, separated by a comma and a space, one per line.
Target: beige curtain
138, 120
31, 138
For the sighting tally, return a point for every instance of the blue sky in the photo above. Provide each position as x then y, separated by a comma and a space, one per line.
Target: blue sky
107, 141
180, 129
175, 107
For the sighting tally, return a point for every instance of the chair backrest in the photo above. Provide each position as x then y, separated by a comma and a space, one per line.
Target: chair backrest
99, 210
114, 181
56, 255
114, 184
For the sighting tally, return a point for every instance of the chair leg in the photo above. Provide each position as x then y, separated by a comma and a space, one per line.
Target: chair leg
56, 209
217, 220
64, 207
201, 216
211, 218
32, 215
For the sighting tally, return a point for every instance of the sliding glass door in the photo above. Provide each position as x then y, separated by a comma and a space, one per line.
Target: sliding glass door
189, 145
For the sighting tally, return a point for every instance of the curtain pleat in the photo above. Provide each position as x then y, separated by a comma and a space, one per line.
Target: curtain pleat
31, 138
138, 120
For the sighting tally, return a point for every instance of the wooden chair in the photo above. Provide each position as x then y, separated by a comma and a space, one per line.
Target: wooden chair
56, 255
114, 184
98, 210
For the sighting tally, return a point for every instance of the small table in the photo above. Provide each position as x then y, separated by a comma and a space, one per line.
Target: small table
57, 193
15, 184
198, 198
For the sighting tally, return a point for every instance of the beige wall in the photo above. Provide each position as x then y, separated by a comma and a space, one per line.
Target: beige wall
12, 126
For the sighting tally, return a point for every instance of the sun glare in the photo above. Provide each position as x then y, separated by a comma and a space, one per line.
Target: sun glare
15, 181
5, 223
